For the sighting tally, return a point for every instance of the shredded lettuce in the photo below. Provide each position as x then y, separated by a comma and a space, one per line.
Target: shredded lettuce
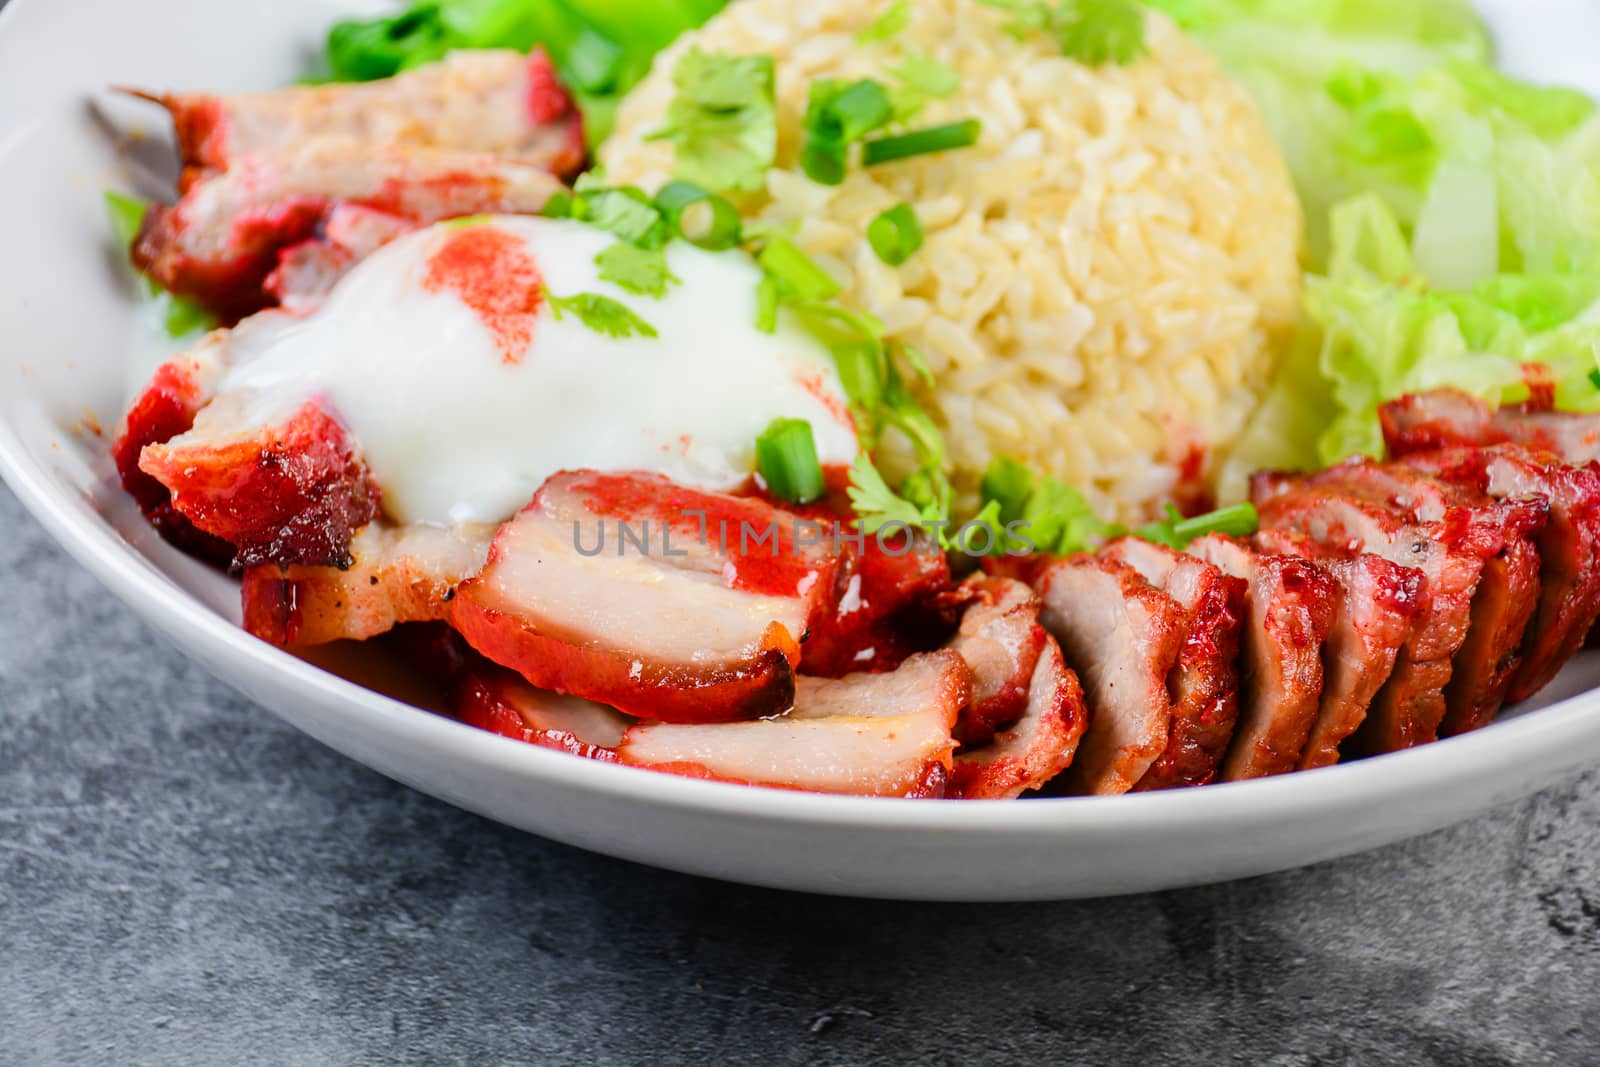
1452, 214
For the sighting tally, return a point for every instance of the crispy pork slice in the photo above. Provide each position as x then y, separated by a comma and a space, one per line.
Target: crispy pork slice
1290, 606
1507, 594
1444, 418
886, 734
894, 600
1205, 682
397, 574
282, 486
651, 597
1036, 748
1410, 706
502, 702
306, 272
1569, 545
166, 408
1375, 606
1122, 636
1000, 638
476, 132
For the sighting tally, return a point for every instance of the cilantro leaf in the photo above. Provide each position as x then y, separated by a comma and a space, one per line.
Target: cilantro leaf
1090, 31
875, 504
638, 270
722, 122
921, 77
601, 314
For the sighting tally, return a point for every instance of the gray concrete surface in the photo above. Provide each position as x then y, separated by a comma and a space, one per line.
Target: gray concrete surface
183, 879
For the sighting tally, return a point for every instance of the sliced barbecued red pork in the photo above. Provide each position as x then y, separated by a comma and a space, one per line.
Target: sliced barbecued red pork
1000, 638
1569, 545
666, 602
285, 487
397, 574
1122, 636
1445, 418
1507, 592
1205, 682
1410, 706
1375, 607
502, 702
480, 131
1290, 605
891, 604
1034, 749
886, 734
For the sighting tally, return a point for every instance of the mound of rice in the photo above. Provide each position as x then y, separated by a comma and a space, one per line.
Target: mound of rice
1108, 275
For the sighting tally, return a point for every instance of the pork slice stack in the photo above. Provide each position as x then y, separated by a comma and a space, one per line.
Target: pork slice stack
1204, 683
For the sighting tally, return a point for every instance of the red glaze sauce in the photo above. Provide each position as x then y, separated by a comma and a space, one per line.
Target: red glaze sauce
493, 274
813, 384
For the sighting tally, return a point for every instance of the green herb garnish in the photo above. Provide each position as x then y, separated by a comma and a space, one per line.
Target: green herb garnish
892, 23
1090, 31
786, 456
920, 78
920, 142
626, 211
180, 316
639, 270
798, 277
601, 314
839, 113
722, 122
896, 234
875, 504
680, 201
1175, 531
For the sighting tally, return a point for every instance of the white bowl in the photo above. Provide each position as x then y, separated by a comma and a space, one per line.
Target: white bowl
67, 362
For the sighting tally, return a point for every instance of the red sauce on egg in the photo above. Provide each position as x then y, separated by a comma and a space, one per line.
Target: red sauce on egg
493, 274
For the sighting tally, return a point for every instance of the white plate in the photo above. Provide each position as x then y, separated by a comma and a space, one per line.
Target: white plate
65, 354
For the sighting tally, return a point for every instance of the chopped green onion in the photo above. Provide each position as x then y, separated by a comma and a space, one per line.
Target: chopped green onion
892, 23
786, 455
838, 114
767, 305
896, 234
921, 142
677, 200
795, 272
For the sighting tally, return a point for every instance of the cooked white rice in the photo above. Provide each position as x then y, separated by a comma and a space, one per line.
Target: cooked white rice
1108, 275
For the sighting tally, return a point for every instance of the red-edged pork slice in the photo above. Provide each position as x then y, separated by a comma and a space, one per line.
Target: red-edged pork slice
502, 702
282, 487
1375, 607
1444, 418
1037, 747
1507, 594
306, 272
477, 132
397, 574
166, 408
1122, 635
1290, 606
883, 734
1569, 545
651, 597
1205, 682
1411, 705
1000, 638
892, 603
